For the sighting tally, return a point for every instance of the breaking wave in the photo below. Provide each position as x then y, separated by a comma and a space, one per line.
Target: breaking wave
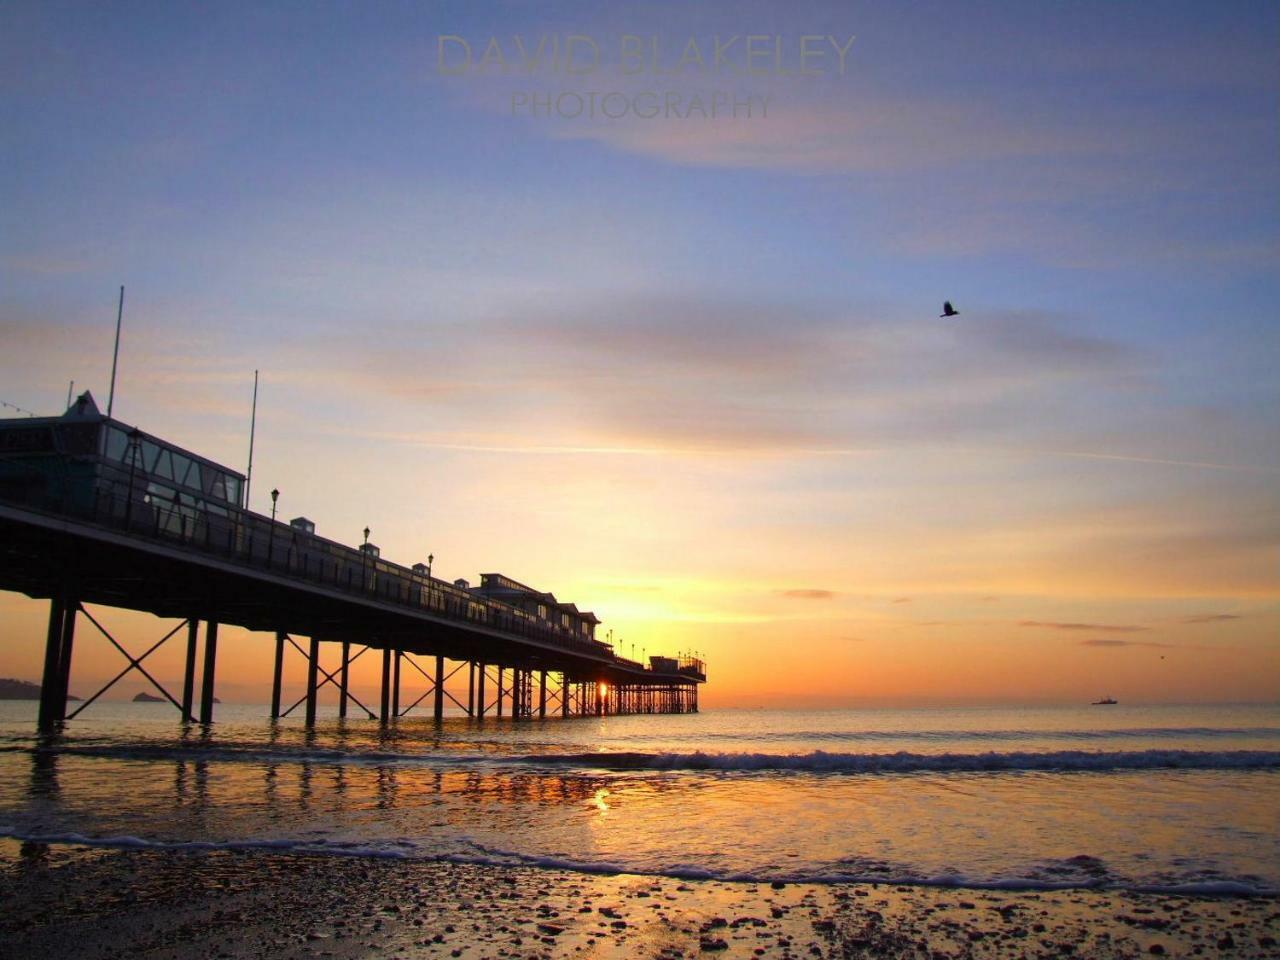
820, 761
816, 761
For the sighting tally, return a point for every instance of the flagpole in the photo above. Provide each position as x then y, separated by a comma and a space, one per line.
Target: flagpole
253, 424
115, 356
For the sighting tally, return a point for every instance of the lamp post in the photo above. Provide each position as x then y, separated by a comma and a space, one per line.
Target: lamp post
365, 551
431, 558
271, 533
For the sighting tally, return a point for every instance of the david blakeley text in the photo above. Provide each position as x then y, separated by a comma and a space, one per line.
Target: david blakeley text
628, 54
645, 105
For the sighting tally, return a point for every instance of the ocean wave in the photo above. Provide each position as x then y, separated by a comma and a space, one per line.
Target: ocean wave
816, 761
831, 874
821, 761
398, 850
156, 753
819, 874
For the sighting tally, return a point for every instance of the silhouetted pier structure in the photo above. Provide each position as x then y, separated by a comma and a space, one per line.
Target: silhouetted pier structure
93, 511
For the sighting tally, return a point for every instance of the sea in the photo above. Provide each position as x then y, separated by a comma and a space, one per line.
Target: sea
1182, 799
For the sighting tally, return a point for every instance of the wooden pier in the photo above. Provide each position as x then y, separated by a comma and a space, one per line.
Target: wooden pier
94, 512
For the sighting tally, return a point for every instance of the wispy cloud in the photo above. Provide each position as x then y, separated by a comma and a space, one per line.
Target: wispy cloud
705, 373
807, 594
867, 134
1096, 627
794, 375
49, 265
1210, 617
1208, 465
1124, 643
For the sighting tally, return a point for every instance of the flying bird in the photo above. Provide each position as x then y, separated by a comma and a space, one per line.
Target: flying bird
948, 310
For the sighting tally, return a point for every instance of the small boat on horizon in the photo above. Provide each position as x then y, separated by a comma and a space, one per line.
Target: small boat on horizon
1105, 702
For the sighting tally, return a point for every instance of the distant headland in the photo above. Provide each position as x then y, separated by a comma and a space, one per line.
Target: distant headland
11, 689
145, 697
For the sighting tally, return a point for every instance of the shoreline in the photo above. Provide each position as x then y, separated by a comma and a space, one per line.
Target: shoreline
98, 902
1208, 889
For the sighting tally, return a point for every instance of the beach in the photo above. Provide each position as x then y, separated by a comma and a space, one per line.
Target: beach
94, 902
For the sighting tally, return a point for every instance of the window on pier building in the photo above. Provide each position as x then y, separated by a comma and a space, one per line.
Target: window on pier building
564, 620
162, 462
542, 611
163, 467
117, 445
150, 453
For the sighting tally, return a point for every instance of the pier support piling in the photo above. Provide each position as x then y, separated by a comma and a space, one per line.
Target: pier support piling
189, 670
344, 679
50, 716
71, 608
384, 714
438, 712
395, 683
210, 666
313, 664
276, 675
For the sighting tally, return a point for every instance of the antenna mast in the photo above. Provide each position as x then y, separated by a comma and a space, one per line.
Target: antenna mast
253, 425
115, 356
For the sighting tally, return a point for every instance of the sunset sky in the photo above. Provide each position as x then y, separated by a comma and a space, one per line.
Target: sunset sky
689, 372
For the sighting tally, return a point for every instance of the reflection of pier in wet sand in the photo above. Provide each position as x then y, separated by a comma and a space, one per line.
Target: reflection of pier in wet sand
93, 511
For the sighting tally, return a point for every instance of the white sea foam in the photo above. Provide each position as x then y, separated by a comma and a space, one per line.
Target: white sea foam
399, 851
932, 736
822, 761
480, 855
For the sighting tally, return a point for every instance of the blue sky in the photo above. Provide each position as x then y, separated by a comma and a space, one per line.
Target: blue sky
681, 351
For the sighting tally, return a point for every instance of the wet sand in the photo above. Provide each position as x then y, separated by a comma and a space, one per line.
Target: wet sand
89, 903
